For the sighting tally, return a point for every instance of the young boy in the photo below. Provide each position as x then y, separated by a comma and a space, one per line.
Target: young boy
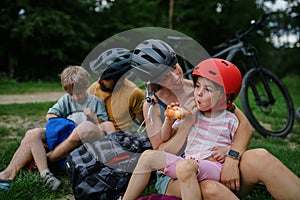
76, 105
216, 85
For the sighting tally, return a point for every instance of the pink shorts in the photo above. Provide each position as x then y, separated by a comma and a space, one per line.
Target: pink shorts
206, 169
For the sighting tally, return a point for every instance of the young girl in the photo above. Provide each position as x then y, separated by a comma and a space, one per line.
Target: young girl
216, 85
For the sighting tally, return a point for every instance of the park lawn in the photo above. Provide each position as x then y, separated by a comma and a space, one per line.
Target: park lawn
15, 119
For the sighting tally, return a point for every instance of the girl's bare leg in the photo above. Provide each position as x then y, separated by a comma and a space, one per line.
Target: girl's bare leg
186, 171
259, 165
148, 161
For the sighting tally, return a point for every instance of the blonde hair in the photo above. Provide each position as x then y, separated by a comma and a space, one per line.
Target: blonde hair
74, 78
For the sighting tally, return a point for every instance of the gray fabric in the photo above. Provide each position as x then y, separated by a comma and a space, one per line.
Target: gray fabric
66, 108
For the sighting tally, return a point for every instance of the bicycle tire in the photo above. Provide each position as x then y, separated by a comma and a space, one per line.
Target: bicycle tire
297, 114
271, 120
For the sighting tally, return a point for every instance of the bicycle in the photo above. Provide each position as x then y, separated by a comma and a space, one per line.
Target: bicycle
265, 99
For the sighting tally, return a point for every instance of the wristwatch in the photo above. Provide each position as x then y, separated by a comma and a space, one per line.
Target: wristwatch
233, 154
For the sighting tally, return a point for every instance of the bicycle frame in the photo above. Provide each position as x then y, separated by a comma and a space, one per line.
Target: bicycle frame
231, 50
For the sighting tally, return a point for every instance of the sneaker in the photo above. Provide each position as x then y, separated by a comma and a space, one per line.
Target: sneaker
51, 181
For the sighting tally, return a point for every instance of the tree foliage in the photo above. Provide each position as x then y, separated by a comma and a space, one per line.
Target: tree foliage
39, 38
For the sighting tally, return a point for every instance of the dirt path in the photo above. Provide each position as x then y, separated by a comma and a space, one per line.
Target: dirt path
30, 98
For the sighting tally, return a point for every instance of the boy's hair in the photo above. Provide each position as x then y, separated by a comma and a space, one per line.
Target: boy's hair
74, 78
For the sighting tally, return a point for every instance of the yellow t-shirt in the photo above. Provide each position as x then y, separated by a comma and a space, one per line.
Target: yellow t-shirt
123, 104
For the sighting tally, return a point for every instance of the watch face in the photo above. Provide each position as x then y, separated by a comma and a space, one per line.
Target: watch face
233, 153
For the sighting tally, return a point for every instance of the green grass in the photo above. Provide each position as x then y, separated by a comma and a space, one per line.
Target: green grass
16, 119
8, 86
273, 116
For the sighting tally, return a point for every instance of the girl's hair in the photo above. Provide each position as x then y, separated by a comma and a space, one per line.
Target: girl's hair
74, 78
195, 78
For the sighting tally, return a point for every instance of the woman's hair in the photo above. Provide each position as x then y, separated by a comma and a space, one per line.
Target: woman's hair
155, 87
74, 78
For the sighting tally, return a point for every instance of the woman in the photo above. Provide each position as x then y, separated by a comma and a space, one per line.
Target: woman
214, 93
154, 60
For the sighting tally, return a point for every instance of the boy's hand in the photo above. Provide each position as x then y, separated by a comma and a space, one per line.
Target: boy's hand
90, 115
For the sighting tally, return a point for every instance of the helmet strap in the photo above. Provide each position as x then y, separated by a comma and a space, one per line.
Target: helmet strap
220, 105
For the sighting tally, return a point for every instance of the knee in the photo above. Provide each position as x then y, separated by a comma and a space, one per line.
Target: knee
108, 127
255, 154
32, 135
256, 157
146, 158
209, 189
186, 169
84, 130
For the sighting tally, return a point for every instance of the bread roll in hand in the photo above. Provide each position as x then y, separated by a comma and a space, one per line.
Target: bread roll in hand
176, 112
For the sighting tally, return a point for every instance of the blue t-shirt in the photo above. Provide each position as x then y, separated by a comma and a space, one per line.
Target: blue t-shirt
65, 107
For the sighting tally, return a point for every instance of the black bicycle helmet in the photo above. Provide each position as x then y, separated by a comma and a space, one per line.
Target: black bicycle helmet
152, 59
112, 63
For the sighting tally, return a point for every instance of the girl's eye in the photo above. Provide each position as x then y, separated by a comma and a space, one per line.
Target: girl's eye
208, 90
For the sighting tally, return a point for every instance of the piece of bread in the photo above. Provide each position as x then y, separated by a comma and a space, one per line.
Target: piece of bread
176, 112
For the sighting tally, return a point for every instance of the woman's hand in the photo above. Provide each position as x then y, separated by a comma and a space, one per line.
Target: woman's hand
230, 174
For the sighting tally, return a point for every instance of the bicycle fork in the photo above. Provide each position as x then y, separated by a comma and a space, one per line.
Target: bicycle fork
258, 98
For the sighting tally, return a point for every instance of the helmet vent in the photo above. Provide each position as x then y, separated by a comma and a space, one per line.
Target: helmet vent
225, 63
136, 51
160, 52
149, 58
212, 73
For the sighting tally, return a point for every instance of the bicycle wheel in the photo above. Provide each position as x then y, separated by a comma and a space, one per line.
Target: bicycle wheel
267, 117
298, 114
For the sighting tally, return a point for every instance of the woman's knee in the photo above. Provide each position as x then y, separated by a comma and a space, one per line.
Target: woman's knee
254, 157
186, 169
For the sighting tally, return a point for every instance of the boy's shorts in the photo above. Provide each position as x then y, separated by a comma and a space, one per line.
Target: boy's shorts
162, 182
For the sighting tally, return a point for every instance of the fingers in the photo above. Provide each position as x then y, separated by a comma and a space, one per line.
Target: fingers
233, 185
237, 185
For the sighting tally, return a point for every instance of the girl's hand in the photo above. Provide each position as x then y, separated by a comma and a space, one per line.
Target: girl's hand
174, 111
219, 152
